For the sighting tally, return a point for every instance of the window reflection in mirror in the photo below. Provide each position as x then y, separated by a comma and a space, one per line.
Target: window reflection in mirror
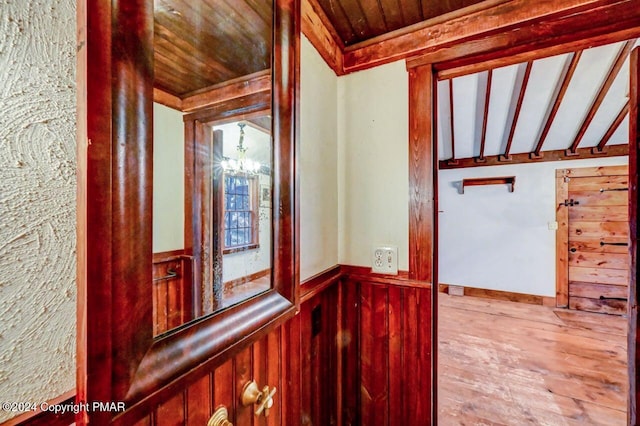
246, 168
201, 49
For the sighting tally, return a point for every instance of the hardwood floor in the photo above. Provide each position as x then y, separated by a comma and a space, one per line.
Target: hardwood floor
506, 363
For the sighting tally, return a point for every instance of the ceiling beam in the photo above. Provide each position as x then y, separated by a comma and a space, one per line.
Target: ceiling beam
557, 155
614, 126
487, 22
561, 89
317, 27
518, 108
167, 99
604, 89
483, 137
236, 88
591, 25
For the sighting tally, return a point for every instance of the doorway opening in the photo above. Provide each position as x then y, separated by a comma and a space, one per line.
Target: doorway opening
508, 349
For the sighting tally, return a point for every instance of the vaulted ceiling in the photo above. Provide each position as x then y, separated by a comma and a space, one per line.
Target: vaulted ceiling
573, 105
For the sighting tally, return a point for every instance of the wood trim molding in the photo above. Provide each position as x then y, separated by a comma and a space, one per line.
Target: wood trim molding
562, 240
316, 284
422, 176
167, 99
237, 88
491, 34
436, 36
562, 28
633, 343
363, 273
317, 27
240, 87
530, 299
525, 157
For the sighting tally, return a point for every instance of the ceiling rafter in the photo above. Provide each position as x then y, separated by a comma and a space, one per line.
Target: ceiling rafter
614, 126
561, 89
604, 89
487, 97
518, 108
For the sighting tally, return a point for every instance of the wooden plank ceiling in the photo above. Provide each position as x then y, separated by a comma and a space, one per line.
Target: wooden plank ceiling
360, 20
568, 106
205, 43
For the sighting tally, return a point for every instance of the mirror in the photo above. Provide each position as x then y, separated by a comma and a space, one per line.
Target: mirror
121, 354
202, 52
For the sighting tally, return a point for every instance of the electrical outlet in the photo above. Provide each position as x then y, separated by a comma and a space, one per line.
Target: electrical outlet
385, 260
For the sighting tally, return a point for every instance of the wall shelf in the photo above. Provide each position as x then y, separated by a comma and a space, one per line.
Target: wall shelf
502, 180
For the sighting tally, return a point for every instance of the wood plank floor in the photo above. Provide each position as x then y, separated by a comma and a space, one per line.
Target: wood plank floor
507, 363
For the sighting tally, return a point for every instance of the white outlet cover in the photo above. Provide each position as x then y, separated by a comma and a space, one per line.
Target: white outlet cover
384, 260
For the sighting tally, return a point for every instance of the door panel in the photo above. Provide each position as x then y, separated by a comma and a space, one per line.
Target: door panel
599, 260
600, 214
598, 232
597, 198
594, 291
598, 275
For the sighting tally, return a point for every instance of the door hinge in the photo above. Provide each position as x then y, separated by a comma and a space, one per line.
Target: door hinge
570, 203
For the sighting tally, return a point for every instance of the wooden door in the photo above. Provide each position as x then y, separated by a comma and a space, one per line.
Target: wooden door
594, 203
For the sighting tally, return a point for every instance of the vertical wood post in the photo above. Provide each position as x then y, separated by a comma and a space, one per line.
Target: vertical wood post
422, 207
634, 141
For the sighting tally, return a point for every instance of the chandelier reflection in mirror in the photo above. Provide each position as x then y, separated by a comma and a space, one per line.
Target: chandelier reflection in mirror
242, 164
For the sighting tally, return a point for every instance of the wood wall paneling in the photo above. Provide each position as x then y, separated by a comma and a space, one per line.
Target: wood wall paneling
394, 354
172, 290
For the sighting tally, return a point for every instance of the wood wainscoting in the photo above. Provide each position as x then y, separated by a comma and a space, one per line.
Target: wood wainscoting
357, 353
387, 349
172, 290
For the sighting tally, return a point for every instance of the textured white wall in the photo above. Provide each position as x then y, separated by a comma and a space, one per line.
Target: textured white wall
373, 163
37, 200
318, 164
494, 239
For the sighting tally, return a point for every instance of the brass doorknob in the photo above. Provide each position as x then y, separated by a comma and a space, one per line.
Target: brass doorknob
251, 394
220, 418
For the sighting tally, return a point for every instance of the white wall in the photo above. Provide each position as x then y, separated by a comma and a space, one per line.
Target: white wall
37, 200
168, 179
373, 163
494, 239
318, 164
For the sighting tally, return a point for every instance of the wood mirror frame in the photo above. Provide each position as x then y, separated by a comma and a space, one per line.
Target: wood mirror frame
118, 358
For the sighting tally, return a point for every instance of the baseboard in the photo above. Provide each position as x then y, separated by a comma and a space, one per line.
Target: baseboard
530, 299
